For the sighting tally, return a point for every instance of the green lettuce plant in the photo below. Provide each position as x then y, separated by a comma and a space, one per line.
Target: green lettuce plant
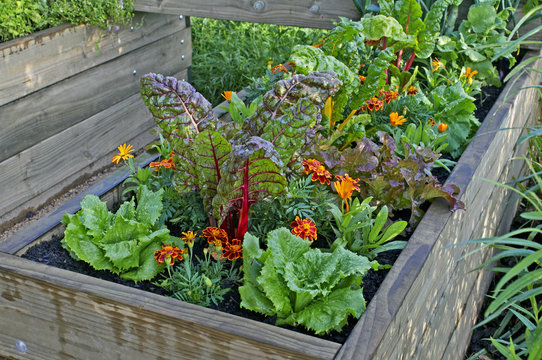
124, 242
233, 165
301, 285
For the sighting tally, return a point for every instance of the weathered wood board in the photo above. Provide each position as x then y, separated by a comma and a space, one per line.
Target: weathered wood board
46, 112
44, 58
425, 307
73, 107
62, 315
302, 13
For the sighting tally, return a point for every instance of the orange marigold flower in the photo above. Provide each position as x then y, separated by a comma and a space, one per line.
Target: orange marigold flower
310, 165
469, 74
188, 237
362, 79
412, 90
442, 127
390, 95
168, 254
346, 177
168, 164
437, 65
233, 250
214, 235
279, 67
322, 175
431, 122
304, 228
396, 119
374, 104
227, 95
344, 188
124, 153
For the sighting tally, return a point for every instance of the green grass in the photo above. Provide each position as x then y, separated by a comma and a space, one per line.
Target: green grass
227, 54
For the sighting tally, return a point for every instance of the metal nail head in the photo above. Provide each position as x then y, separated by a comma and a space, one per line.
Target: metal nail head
182, 42
181, 17
182, 57
21, 346
134, 73
131, 28
315, 9
258, 5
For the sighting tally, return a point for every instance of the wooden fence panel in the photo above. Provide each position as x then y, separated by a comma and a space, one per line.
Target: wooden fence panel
302, 13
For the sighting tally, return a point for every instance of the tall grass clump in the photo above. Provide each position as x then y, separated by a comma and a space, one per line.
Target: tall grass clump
228, 54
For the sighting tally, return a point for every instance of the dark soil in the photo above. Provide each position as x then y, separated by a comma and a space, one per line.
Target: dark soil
52, 253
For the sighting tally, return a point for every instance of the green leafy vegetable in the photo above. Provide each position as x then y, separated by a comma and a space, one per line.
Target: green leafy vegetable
124, 242
300, 285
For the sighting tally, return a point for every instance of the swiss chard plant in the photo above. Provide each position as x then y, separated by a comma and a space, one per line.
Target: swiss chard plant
235, 164
124, 242
301, 285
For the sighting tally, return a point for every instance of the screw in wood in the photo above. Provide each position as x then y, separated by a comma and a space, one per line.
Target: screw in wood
182, 57
131, 28
258, 5
182, 42
315, 9
134, 73
21, 346
181, 17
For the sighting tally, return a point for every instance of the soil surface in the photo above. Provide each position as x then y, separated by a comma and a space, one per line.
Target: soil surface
52, 253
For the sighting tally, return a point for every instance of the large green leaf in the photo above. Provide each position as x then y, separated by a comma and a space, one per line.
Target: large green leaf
284, 247
331, 312
275, 289
81, 244
95, 215
149, 205
148, 268
429, 35
482, 17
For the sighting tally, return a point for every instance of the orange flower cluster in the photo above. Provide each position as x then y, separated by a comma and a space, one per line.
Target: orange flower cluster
318, 170
373, 104
442, 127
230, 250
167, 164
345, 186
168, 254
389, 95
304, 228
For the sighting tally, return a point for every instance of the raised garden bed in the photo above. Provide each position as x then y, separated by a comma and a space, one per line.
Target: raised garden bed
425, 307
68, 95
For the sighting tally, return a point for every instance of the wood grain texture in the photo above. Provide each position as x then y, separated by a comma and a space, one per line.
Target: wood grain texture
39, 60
302, 13
31, 177
65, 315
38, 116
417, 308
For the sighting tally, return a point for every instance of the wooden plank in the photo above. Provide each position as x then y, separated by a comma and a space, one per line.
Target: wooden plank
302, 13
39, 60
44, 113
394, 321
74, 316
44, 170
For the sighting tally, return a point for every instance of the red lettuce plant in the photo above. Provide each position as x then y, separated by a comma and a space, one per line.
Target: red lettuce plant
234, 165
398, 182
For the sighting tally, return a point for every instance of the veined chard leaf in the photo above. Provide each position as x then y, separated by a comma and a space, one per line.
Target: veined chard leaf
181, 113
376, 75
290, 109
211, 151
252, 173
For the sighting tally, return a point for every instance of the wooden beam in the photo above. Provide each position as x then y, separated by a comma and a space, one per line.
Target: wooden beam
302, 13
42, 114
44, 58
59, 314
